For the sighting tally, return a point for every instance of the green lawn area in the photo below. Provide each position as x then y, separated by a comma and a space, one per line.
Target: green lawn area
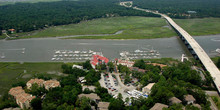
197, 27
11, 73
133, 27
216, 100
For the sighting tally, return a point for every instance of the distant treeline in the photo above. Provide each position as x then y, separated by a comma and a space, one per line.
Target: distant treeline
183, 8
28, 17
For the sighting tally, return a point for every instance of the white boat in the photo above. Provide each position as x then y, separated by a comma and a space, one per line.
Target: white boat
3, 56
53, 59
77, 52
217, 50
57, 52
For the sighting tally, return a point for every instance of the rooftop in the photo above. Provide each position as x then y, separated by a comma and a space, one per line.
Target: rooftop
189, 98
16, 91
89, 87
103, 105
91, 96
159, 106
24, 97
149, 86
175, 100
38, 81
52, 83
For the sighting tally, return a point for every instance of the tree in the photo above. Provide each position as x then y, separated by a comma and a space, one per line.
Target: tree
127, 79
162, 95
36, 104
145, 80
87, 65
111, 66
37, 91
218, 63
65, 106
83, 103
116, 104
140, 64
127, 100
21, 83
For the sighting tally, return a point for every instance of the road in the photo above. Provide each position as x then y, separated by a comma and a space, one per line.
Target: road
202, 55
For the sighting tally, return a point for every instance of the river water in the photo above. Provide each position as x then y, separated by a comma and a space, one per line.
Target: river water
42, 49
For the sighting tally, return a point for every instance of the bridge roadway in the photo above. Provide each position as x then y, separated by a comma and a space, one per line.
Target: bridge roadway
202, 55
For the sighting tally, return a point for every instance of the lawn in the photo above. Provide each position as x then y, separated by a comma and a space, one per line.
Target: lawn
133, 28
216, 100
197, 27
11, 73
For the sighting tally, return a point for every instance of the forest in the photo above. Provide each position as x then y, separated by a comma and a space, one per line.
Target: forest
24, 17
182, 8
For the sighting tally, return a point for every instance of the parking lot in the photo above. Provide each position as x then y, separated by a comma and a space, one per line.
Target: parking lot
112, 82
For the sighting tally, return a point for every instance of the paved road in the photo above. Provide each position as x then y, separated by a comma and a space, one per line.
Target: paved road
202, 55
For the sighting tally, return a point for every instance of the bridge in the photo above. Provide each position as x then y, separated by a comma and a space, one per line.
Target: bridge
196, 50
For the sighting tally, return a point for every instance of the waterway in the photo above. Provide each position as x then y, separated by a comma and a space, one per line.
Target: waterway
42, 49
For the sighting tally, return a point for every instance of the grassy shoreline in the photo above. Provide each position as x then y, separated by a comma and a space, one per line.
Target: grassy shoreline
133, 28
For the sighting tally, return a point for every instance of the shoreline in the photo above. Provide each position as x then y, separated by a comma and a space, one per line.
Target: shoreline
76, 37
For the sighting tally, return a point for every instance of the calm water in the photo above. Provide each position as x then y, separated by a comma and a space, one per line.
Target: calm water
39, 50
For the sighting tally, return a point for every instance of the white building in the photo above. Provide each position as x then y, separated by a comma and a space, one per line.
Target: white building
77, 66
125, 63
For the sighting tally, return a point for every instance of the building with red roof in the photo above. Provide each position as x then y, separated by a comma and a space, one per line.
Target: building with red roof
98, 59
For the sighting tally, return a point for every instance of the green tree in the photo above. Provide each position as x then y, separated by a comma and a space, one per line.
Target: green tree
145, 80
116, 104
21, 83
65, 106
83, 103
36, 104
87, 65
218, 63
140, 64
37, 91
111, 66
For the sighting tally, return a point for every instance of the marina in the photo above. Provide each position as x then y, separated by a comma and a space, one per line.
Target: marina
75, 50
139, 54
70, 55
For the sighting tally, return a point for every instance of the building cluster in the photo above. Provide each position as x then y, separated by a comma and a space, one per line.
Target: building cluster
96, 98
23, 99
9, 30
98, 59
41, 83
189, 99
127, 63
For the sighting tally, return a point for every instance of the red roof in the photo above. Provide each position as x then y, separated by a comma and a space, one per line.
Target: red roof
99, 59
